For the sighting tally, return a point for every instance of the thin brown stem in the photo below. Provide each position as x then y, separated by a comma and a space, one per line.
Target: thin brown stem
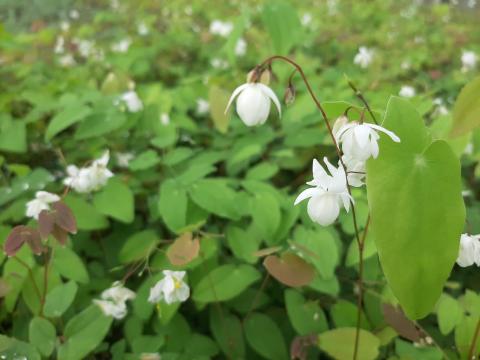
360, 96
30, 274
472, 354
268, 62
48, 260
257, 294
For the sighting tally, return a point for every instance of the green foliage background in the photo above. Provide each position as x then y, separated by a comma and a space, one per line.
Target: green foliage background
231, 186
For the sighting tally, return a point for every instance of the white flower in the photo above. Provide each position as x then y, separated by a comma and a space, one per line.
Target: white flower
123, 159
240, 47
170, 289
253, 103
41, 202
88, 179
364, 57
359, 141
74, 14
328, 194
86, 48
65, 26
133, 102
164, 119
306, 19
142, 29
113, 302
59, 45
407, 91
66, 60
222, 28
405, 65
440, 109
469, 60
218, 63
355, 170
469, 251
122, 45
203, 106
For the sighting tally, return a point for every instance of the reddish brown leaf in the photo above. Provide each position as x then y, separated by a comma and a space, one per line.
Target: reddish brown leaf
401, 324
60, 234
267, 251
34, 240
64, 217
300, 344
46, 221
15, 240
290, 269
183, 250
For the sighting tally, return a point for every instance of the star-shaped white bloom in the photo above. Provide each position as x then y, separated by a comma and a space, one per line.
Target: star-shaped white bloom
221, 28
113, 300
407, 91
469, 60
364, 57
133, 102
170, 289
328, 194
88, 179
42, 201
253, 103
469, 251
360, 140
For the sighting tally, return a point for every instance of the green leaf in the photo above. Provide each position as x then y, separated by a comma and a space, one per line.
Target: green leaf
281, 20
265, 211
242, 243
215, 196
225, 282
466, 112
65, 118
88, 218
11, 348
172, 205
70, 265
84, 332
414, 192
145, 160
307, 317
42, 334
138, 246
340, 344
100, 123
116, 200
60, 298
227, 330
218, 100
265, 337
449, 314
464, 332
13, 135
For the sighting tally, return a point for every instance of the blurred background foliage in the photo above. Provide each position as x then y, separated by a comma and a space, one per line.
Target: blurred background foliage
191, 168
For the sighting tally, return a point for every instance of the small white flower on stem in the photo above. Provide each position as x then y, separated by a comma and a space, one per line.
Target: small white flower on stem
133, 102
164, 119
469, 60
306, 19
364, 57
328, 194
66, 60
122, 46
240, 47
469, 251
90, 178
142, 29
203, 106
407, 91
113, 300
171, 289
99, 173
221, 28
360, 140
124, 158
253, 102
42, 201
109, 308
59, 45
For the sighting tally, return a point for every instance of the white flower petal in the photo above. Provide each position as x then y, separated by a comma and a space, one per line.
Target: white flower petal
307, 193
269, 92
385, 131
237, 91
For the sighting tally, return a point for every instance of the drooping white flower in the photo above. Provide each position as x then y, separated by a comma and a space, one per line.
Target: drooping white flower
42, 201
469, 251
142, 29
360, 140
113, 300
469, 60
328, 194
172, 288
121, 46
203, 106
124, 158
364, 57
407, 91
253, 103
355, 170
221, 28
91, 178
133, 102
240, 47
66, 60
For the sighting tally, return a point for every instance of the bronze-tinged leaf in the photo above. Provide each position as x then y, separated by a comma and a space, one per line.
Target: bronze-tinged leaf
267, 251
15, 240
34, 240
183, 250
60, 234
300, 344
290, 269
64, 217
401, 324
46, 221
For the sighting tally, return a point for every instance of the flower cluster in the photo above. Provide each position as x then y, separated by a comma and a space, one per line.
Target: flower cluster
113, 300
469, 251
91, 178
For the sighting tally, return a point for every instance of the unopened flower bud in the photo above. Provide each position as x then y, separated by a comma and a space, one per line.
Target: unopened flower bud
289, 96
